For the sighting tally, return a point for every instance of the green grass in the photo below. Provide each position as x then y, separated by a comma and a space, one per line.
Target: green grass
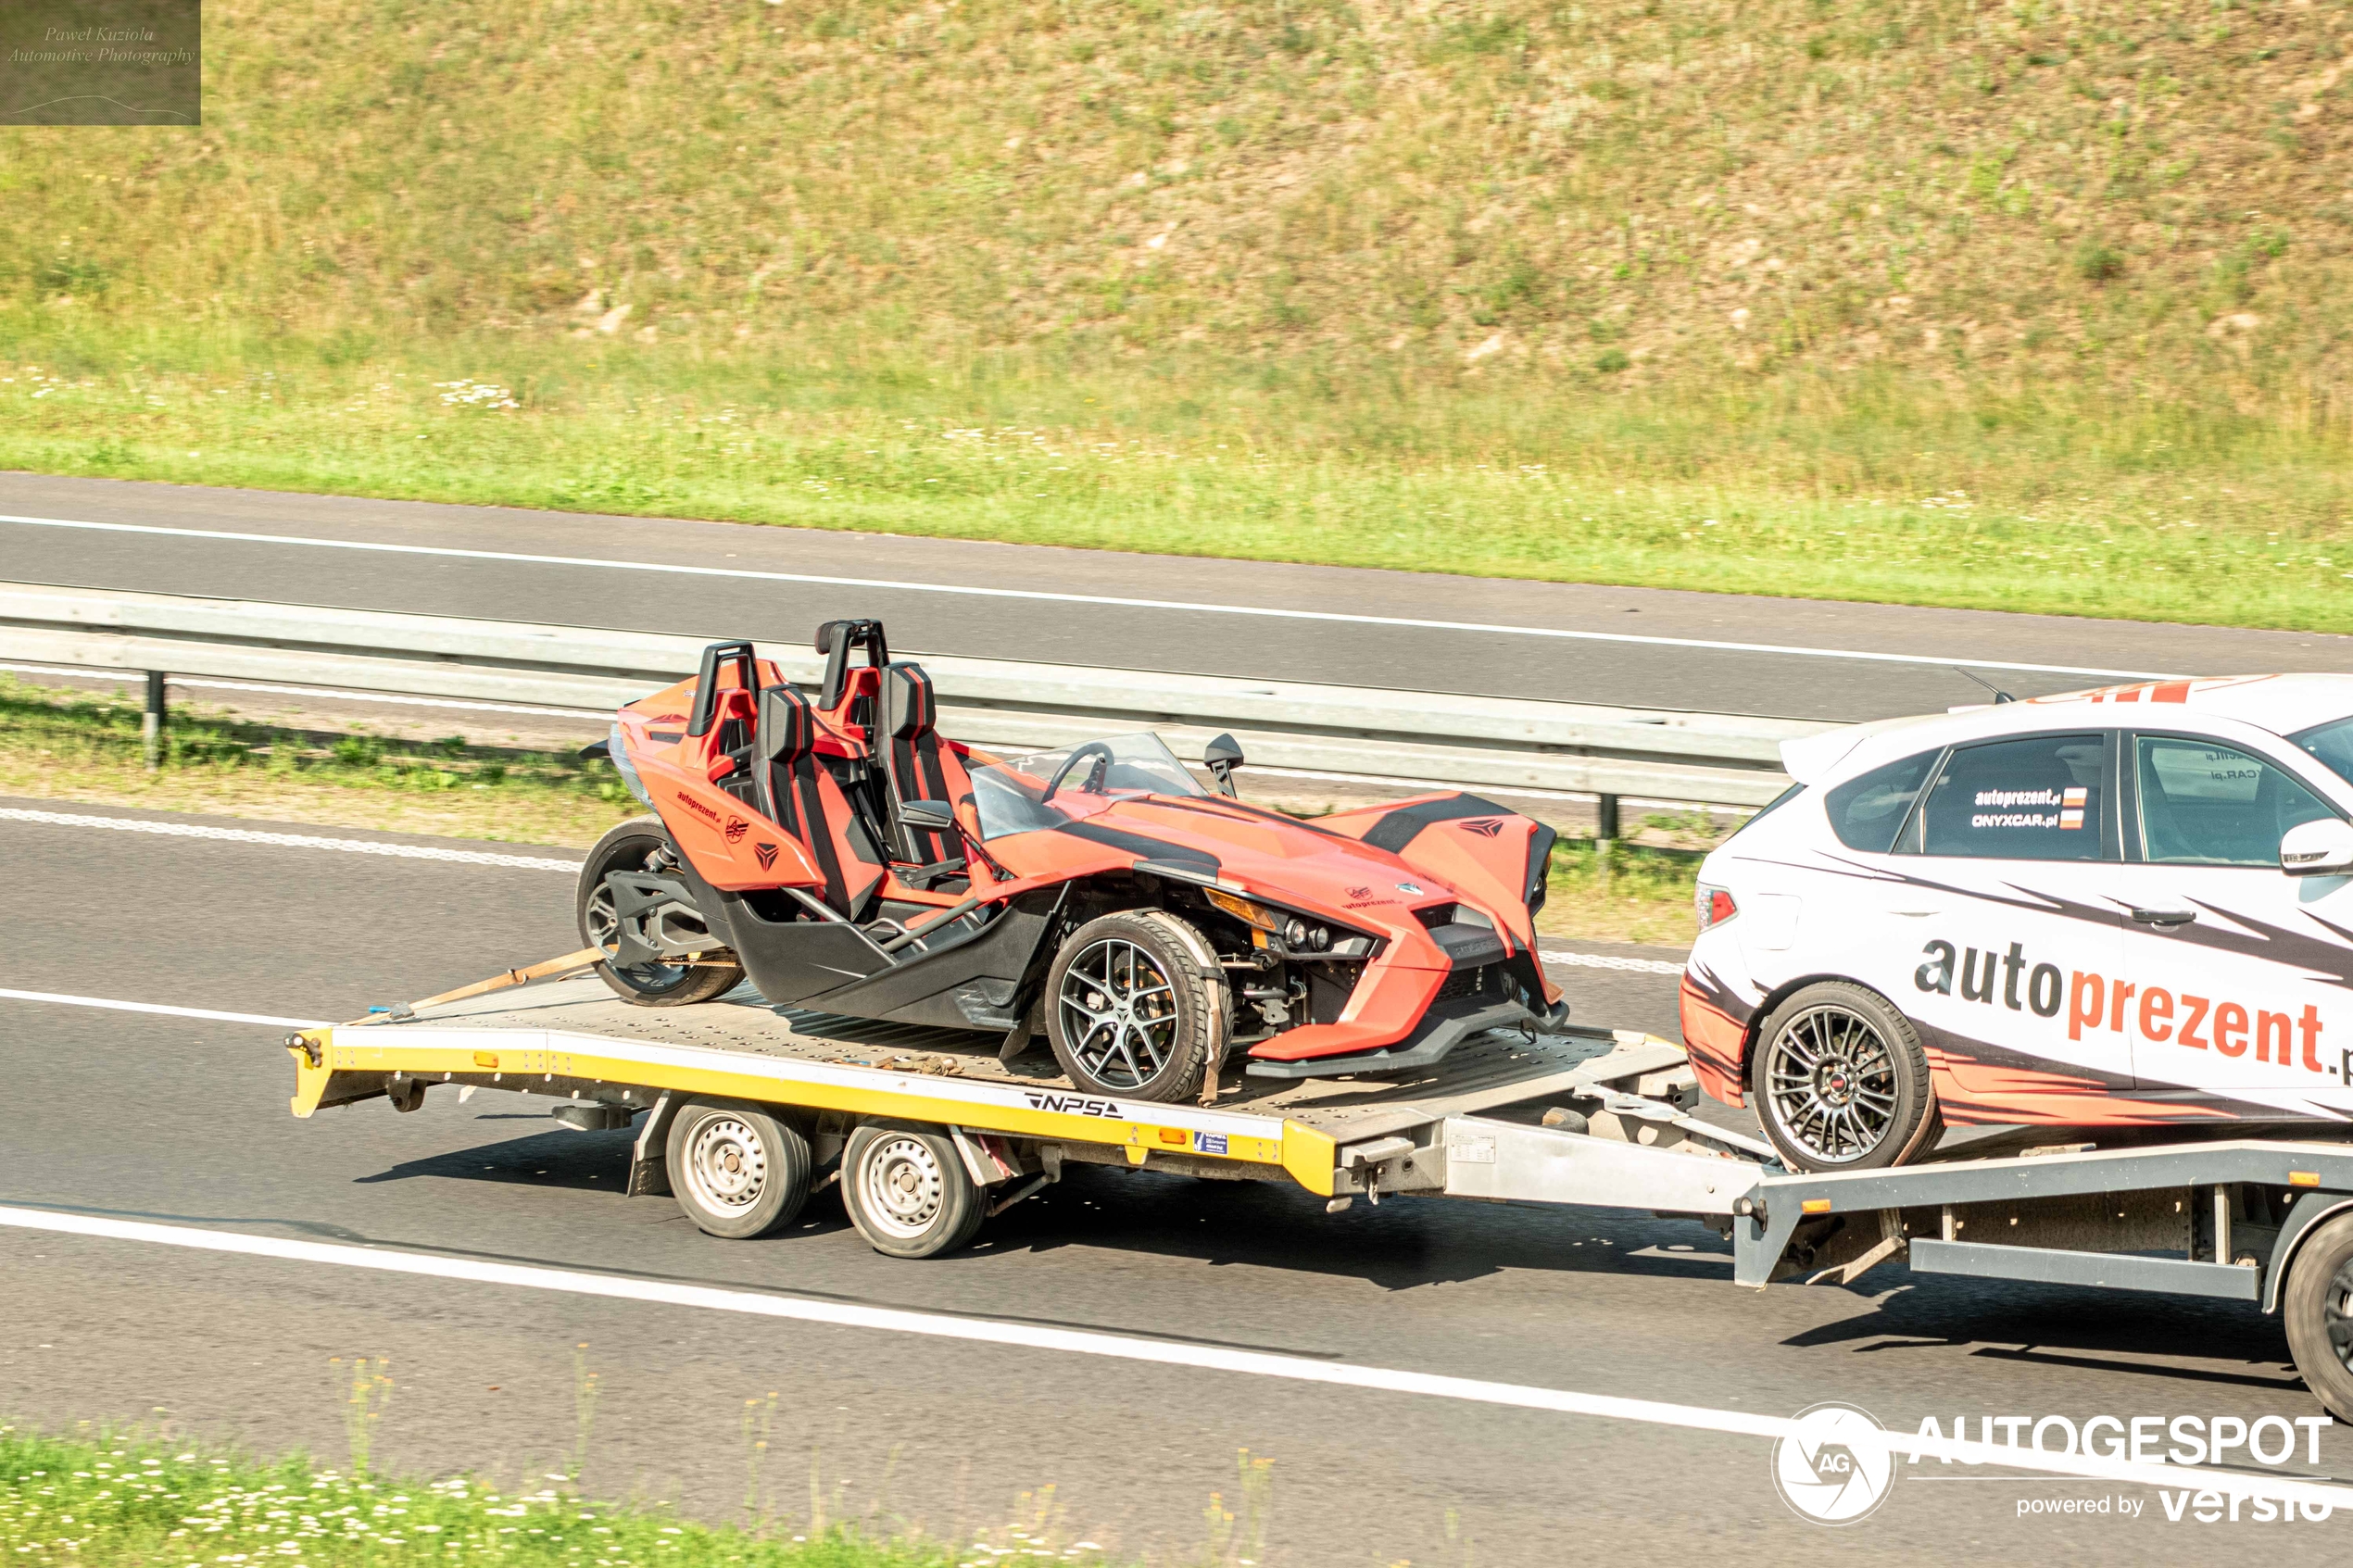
2030, 308
132, 1503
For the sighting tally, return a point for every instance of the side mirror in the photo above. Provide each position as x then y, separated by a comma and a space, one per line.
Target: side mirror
931, 816
2323, 848
1220, 756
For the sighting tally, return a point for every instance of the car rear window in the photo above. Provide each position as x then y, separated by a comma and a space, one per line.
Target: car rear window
2038, 798
1867, 811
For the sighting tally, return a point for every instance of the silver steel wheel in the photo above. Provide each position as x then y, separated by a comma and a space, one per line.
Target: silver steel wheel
1119, 1013
902, 1185
1829, 1083
725, 1166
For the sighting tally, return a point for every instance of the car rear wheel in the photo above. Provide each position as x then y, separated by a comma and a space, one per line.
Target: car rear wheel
642, 844
2317, 1306
1136, 1006
1842, 1083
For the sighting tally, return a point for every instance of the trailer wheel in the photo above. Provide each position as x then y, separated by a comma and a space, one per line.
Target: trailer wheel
907, 1190
737, 1171
1842, 1083
638, 844
2318, 1307
1132, 1008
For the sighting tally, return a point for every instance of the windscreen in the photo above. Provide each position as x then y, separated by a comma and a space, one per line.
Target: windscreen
1011, 794
2333, 743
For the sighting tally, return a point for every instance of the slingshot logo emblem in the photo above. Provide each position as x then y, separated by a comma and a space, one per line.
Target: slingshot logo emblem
1834, 1465
765, 854
1486, 827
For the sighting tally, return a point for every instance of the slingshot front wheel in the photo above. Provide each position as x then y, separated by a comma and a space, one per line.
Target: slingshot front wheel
1135, 1006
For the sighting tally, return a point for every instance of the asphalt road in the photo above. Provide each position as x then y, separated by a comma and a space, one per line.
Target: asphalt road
948, 597
181, 1121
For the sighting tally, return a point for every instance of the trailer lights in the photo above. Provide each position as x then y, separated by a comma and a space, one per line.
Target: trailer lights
1815, 1206
2304, 1178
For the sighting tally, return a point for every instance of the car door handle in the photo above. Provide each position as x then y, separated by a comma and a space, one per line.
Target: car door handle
2164, 917
1916, 913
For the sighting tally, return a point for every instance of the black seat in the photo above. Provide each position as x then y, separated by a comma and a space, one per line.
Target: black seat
919, 767
802, 797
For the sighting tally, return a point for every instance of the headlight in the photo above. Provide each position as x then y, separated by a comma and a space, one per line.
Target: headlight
1302, 936
1242, 910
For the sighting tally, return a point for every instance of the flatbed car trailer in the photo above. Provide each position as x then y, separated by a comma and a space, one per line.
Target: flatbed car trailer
743, 1109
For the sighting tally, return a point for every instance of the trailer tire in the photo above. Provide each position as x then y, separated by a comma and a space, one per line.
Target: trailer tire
1137, 982
906, 1189
2317, 1306
1842, 1083
634, 845
737, 1171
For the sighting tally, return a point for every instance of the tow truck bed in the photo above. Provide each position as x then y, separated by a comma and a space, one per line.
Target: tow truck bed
2225, 1217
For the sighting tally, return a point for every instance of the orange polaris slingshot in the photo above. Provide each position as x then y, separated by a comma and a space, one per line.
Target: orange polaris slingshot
847, 858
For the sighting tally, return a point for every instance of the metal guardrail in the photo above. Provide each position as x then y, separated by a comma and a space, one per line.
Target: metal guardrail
1380, 736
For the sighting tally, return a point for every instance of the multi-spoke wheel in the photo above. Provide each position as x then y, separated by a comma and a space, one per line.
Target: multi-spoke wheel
2317, 1306
1841, 1081
641, 845
1136, 1006
735, 1170
907, 1190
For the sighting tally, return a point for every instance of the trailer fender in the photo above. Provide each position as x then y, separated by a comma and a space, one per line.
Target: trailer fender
2307, 1215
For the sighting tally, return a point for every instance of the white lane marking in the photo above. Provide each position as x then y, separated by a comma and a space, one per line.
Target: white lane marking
1261, 611
207, 1014
1605, 960
337, 692
1088, 1342
287, 840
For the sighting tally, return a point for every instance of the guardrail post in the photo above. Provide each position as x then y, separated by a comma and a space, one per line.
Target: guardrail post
1604, 834
151, 727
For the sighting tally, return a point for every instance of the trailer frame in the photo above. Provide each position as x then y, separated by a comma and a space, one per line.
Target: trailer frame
2219, 1217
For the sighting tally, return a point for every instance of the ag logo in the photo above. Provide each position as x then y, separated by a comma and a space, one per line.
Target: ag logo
1360, 893
1486, 827
765, 854
736, 828
1834, 1465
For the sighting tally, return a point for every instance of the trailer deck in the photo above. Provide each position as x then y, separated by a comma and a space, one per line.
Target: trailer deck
1596, 1118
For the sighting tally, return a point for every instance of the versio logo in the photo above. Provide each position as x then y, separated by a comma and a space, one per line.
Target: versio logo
1834, 1465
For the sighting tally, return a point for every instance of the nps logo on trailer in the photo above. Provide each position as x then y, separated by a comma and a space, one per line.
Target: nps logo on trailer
1834, 1465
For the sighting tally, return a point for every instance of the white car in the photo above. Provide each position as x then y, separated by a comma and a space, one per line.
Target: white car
2124, 907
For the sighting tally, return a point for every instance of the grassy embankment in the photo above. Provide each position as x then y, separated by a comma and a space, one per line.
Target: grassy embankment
128, 1502
67, 748
2026, 307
